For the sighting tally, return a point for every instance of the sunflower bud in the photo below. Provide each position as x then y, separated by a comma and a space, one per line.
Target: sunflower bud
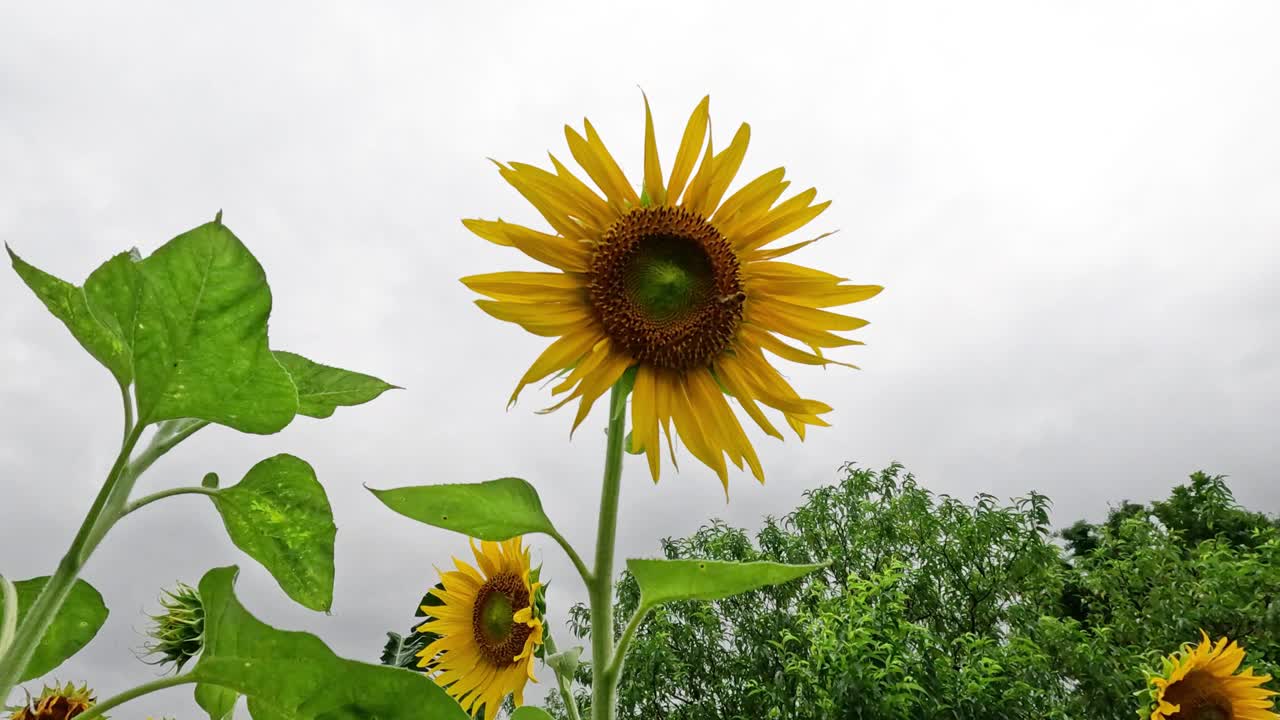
56, 703
178, 632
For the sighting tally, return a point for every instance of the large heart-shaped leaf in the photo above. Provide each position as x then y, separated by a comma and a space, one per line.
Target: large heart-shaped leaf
493, 510
77, 621
322, 389
200, 341
294, 676
663, 581
280, 516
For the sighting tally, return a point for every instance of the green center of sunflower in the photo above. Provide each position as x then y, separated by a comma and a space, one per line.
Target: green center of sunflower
668, 277
498, 637
666, 286
1201, 696
495, 616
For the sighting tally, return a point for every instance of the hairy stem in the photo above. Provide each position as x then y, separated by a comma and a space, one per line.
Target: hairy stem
55, 591
148, 499
620, 652
604, 687
98, 709
108, 507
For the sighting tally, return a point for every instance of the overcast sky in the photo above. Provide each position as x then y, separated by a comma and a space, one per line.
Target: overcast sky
1072, 206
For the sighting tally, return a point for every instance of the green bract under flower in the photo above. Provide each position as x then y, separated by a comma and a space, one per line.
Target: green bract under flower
178, 632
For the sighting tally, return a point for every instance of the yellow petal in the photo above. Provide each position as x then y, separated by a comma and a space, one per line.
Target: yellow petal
730, 428
549, 287
595, 385
664, 388
555, 215
652, 166
702, 178
754, 190
764, 339
759, 255
782, 223
544, 320
644, 418
599, 208
688, 426
600, 167
558, 252
695, 133
560, 354
588, 209
732, 376
726, 167
808, 325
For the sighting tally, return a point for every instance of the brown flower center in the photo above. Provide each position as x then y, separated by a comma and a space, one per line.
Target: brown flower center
1200, 696
667, 288
496, 633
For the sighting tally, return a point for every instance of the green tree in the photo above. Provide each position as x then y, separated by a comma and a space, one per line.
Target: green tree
936, 608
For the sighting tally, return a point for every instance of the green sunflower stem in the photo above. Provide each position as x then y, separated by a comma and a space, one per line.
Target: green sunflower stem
564, 682
108, 507
55, 591
97, 710
604, 682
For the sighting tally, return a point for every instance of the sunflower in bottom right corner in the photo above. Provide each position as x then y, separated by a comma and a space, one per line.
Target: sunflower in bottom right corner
1201, 683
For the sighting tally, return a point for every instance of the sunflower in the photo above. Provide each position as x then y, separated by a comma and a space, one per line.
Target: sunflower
56, 703
1202, 684
486, 627
678, 283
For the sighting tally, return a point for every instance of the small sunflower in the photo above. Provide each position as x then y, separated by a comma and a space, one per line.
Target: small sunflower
679, 283
56, 703
487, 627
1202, 684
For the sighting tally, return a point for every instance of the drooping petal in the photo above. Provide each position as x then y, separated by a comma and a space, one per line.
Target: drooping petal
564, 352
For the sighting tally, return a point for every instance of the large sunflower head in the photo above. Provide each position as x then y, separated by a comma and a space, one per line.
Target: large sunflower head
1201, 683
487, 626
676, 281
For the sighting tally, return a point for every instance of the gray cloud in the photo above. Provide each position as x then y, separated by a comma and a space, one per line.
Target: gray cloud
1072, 207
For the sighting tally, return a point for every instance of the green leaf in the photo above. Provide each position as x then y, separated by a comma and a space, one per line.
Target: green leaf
200, 343
670, 580
279, 515
100, 315
529, 712
322, 389
73, 627
494, 510
629, 445
294, 676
